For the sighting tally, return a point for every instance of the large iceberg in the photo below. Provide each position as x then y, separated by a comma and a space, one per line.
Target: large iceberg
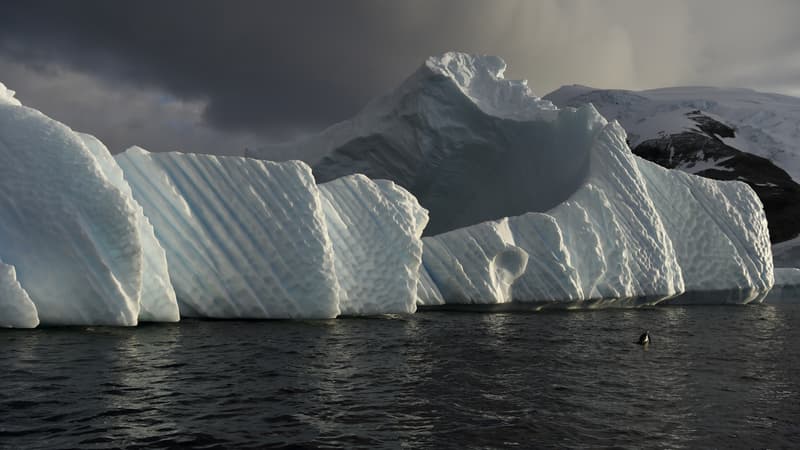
534, 203
375, 228
69, 234
16, 308
243, 238
88, 238
254, 239
157, 301
528, 203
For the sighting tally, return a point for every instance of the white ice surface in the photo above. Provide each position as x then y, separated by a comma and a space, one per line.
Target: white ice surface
606, 241
69, 233
719, 232
628, 230
375, 228
458, 136
7, 96
158, 303
475, 264
243, 238
16, 308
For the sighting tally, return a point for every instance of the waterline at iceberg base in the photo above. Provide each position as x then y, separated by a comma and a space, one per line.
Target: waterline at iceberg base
528, 204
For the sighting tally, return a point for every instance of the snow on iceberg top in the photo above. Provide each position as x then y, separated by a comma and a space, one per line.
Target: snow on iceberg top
480, 78
7, 96
443, 85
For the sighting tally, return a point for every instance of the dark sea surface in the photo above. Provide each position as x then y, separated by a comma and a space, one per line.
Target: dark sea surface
712, 377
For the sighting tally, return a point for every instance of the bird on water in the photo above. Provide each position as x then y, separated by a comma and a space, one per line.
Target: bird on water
644, 339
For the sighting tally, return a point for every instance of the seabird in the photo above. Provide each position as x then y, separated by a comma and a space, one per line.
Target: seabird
644, 339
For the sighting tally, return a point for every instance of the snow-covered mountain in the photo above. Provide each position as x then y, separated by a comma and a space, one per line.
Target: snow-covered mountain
724, 134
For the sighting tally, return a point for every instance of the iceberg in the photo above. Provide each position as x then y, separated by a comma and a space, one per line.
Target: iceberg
251, 239
87, 238
529, 202
719, 133
157, 301
16, 307
69, 234
375, 228
519, 201
243, 238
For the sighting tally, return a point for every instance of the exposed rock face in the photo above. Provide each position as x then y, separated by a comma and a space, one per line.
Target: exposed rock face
703, 152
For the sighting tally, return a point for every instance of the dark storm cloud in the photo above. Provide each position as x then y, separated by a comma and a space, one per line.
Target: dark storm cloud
282, 68
257, 63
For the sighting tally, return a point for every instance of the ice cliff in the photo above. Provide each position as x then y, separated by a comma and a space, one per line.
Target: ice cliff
70, 235
255, 239
528, 203
88, 238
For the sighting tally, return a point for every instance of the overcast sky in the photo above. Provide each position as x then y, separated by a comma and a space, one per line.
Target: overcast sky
219, 76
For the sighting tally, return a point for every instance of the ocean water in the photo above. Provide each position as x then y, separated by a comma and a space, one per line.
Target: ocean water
712, 377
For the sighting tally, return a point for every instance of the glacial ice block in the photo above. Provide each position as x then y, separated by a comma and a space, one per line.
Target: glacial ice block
243, 238
16, 308
375, 228
476, 264
69, 233
606, 241
476, 149
158, 303
719, 232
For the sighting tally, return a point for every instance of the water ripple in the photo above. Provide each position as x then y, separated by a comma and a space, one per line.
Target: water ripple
712, 377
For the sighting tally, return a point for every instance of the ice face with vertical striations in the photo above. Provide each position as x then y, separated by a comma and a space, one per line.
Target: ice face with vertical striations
158, 303
16, 308
476, 148
243, 238
632, 231
476, 264
606, 241
70, 235
375, 228
719, 232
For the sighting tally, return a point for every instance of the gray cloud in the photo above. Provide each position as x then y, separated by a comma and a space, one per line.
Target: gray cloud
239, 71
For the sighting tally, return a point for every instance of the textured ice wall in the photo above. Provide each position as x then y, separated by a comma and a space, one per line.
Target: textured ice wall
606, 241
719, 232
635, 230
69, 233
628, 230
16, 308
375, 228
476, 264
243, 238
158, 303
